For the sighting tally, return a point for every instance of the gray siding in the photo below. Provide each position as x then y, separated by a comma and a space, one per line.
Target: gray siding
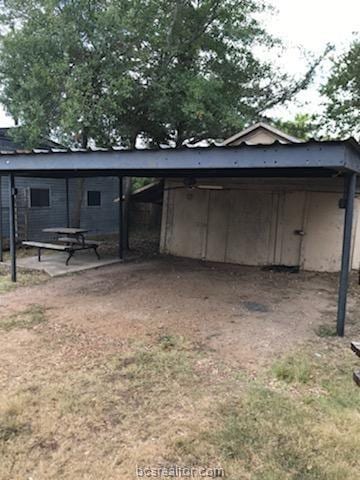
97, 220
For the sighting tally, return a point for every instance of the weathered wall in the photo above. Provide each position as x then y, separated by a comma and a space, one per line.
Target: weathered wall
253, 222
103, 219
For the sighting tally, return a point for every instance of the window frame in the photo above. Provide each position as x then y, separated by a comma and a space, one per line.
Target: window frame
100, 198
40, 187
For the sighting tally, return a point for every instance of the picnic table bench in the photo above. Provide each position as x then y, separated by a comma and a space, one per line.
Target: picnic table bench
355, 347
74, 240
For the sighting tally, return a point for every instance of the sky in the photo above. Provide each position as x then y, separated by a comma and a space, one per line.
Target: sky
311, 25
303, 24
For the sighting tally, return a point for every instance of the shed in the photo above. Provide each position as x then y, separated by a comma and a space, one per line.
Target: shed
290, 221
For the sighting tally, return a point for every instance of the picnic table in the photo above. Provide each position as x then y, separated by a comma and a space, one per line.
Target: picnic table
355, 347
72, 235
69, 240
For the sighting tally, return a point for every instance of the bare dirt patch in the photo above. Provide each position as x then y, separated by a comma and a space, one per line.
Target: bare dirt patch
174, 362
213, 305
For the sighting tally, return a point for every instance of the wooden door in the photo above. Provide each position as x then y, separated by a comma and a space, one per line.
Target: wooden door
249, 237
188, 226
290, 228
217, 225
324, 232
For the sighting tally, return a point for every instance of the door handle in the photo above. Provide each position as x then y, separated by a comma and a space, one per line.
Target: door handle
301, 233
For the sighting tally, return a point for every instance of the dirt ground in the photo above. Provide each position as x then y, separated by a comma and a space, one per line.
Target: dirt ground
185, 336
246, 315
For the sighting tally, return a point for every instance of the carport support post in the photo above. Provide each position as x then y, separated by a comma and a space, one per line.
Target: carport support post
67, 202
1, 223
346, 250
121, 220
12, 226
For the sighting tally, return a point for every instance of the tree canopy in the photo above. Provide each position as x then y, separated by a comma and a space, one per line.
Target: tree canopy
304, 126
342, 92
112, 70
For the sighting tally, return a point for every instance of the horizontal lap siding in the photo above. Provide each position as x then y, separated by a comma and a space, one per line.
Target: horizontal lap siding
98, 220
44, 217
4, 206
103, 219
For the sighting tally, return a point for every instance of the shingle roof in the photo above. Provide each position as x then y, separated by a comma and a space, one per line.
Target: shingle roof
8, 144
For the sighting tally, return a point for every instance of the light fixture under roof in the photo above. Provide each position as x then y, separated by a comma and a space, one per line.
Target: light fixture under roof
210, 187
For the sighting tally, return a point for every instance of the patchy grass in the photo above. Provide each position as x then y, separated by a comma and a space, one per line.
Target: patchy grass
100, 419
167, 402
11, 426
299, 421
293, 369
28, 318
25, 278
326, 330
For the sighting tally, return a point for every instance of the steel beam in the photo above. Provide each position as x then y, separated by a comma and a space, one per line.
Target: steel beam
332, 155
121, 221
350, 189
12, 233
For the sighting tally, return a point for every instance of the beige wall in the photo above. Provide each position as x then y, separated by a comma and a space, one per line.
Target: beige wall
259, 136
252, 222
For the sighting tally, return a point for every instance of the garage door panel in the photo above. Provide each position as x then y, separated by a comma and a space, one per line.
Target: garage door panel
249, 230
189, 223
219, 207
323, 233
291, 220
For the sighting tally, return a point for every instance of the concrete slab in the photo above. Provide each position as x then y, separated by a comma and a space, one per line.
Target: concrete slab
54, 264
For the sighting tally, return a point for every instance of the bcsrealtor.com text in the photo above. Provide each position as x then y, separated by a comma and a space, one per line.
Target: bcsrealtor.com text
177, 471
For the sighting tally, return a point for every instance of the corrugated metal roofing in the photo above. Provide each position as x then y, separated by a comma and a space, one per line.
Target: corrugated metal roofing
351, 142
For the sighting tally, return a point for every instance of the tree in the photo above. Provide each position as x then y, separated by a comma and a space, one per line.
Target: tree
342, 92
107, 71
304, 126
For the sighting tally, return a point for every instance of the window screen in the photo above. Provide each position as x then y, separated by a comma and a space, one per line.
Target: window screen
39, 197
93, 198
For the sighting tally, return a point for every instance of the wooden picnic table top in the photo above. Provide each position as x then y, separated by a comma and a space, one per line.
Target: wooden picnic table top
66, 230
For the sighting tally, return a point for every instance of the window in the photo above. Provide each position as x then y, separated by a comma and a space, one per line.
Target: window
93, 198
39, 197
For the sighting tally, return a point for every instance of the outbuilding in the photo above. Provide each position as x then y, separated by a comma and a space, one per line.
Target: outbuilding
289, 221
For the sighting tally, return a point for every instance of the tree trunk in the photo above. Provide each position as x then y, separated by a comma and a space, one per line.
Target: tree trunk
179, 136
79, 190
127, 184
76, 216
127, 187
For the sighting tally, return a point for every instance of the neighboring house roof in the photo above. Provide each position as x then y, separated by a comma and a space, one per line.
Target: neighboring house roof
7, 144
260, 133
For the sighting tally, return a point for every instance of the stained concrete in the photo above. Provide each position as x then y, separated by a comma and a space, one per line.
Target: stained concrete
54, 263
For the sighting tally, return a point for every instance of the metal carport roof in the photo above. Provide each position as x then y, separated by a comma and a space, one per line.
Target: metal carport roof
312, 158
308, 158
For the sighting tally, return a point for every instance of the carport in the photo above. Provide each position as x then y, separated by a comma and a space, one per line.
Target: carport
330, 159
